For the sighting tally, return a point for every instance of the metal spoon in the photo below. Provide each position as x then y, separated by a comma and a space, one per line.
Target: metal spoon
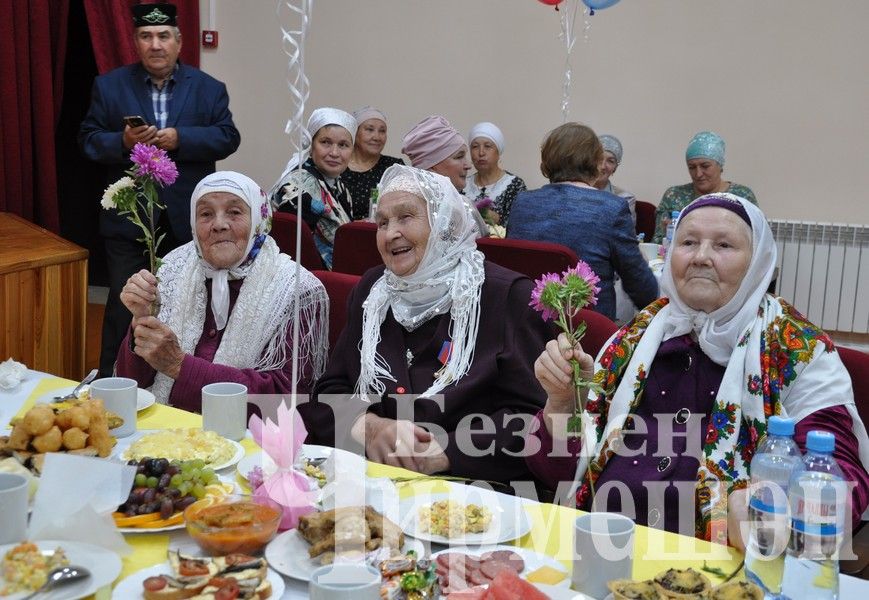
61, 576
74, 393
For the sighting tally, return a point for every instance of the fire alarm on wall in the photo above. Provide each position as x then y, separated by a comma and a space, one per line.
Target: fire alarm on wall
209, 39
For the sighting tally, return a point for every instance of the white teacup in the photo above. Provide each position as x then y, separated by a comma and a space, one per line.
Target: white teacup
604, 546
224, 409
119, 396
13, 507
356, 581
649, 251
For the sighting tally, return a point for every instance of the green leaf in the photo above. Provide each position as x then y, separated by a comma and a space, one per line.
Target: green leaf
574, 424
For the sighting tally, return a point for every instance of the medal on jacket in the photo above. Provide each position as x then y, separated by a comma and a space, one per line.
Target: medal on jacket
444, 356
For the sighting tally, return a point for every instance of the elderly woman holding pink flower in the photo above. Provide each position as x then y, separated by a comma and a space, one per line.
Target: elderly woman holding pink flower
226, 304
682, 393
436, 357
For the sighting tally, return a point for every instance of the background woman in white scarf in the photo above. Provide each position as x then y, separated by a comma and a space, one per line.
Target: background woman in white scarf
690, 383
316, 173
226, 304
435, 319
490, 181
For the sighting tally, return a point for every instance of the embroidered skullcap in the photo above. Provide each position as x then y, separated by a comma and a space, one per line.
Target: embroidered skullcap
331, 116
725, 201
706, 144
612, 145
430, 141
489, 131
145, 15
368, 112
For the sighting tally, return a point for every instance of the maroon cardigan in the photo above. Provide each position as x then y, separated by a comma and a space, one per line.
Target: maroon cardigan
198, 370
500, 382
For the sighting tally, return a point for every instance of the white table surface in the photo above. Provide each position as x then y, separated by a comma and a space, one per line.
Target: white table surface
11, 400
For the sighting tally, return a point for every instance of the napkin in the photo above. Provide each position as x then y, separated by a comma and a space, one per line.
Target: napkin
282, 441
11, 374
76, 498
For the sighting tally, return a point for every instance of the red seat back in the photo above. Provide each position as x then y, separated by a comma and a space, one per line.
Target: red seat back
355, 248
645, 219
532, 259
284, 234
338, 287
598, 330
857, 364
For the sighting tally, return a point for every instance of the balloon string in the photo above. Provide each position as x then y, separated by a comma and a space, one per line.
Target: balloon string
568, 19
293, 45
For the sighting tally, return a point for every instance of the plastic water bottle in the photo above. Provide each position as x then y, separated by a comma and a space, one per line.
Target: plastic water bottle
818, 503
776, 459
671, 229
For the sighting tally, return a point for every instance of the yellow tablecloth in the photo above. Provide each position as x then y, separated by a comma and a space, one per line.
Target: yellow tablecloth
551, 525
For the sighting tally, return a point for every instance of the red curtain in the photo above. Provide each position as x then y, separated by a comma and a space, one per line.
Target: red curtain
31, 89
111, 26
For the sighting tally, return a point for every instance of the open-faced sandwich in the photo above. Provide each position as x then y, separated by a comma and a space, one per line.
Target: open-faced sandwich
408, 578
231, 576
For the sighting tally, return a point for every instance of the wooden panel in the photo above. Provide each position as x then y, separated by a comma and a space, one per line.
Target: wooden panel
43, 299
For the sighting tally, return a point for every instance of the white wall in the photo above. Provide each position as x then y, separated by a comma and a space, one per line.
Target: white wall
785, 82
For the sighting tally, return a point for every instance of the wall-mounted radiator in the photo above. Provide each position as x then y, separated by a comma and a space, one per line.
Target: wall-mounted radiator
823, 270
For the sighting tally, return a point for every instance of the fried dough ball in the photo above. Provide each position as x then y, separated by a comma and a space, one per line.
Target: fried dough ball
39, 419
49, 441
100, 439
75, 417
19, 438
97, 413
74, 438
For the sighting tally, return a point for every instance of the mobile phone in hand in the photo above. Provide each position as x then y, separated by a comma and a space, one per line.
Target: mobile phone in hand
135, 121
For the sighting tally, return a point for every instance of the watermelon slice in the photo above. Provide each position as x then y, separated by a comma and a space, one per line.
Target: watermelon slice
507, 585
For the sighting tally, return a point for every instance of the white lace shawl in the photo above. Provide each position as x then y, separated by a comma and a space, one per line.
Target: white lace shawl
449, 278
256, 333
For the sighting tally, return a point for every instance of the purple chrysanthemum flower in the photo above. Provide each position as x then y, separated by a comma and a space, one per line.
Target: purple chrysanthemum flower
154, 162
544, 296
584, 290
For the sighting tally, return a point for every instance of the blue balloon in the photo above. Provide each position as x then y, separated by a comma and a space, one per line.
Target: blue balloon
599, 4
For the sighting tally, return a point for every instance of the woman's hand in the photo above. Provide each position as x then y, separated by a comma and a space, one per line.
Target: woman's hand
400, 443
554, 371
737, 518
139, 292
158, 345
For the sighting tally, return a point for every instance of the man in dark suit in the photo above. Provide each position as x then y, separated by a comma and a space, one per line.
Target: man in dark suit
185, 112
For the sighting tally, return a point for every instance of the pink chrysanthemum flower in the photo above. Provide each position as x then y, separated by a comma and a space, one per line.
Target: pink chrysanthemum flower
484, 202
154, 162
255, 477
544, 296
581, 282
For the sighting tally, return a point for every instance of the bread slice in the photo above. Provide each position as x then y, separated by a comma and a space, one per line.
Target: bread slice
173, 588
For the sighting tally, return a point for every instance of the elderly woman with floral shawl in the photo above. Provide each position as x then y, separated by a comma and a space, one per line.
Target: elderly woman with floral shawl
315, 175
226, 304
438, 349
689, 384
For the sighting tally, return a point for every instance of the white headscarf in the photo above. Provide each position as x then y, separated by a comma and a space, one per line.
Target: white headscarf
368, 112
449, 278
320, 118
260, 224
489, 131
256, 330
719, 331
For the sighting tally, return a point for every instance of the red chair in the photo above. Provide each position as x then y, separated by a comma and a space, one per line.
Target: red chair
857, 364
284, 234
355, 248
645, 219
338, 287
532, 259
598, 330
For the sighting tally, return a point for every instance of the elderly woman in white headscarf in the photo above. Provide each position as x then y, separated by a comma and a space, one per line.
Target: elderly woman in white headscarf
226, 304
315, 174
435, 321
491, 186
689, 384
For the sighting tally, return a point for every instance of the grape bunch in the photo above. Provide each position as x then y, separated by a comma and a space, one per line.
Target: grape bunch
166, 487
